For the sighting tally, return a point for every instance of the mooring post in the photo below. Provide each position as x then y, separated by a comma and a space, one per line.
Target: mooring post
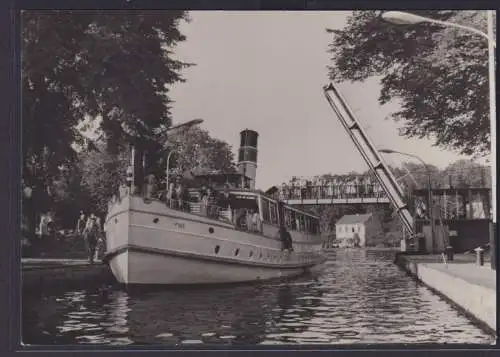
479, 256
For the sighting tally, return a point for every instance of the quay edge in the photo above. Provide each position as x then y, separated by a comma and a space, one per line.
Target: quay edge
41, 274
476, 299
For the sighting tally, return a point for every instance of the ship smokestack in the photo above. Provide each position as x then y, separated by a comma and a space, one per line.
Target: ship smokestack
247, 156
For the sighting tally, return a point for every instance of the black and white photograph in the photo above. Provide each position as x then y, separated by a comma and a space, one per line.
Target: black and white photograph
247, 178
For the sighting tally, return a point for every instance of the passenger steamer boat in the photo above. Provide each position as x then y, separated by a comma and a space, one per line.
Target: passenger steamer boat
154, 241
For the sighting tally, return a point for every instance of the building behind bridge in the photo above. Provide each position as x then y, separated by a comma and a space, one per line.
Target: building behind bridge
357, 230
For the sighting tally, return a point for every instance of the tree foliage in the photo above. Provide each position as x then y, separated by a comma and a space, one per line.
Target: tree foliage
102, 170
102, 173
79, 66
195, 149
439, 75
75, 64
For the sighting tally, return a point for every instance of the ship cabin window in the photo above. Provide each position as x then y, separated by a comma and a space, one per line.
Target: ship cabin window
242, 202
301, 222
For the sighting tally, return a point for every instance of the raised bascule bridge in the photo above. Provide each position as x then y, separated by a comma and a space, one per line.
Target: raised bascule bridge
458, 217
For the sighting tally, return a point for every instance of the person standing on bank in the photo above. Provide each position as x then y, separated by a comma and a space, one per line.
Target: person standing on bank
100, 239
91, 235
80, 224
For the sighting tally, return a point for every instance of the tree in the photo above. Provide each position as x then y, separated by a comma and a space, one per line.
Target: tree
115, 66
194, 148
69, 196
103, 170
438, 75
465, 173
102, 173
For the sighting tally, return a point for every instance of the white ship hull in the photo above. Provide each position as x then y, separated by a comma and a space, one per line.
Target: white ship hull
149, 243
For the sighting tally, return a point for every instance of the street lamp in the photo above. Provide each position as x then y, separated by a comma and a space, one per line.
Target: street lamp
189, 123
186, 124
429, 183
404, 18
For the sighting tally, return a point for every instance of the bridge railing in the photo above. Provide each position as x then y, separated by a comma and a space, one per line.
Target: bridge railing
331, 192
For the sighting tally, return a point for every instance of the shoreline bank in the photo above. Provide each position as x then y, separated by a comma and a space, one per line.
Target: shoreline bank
40, 274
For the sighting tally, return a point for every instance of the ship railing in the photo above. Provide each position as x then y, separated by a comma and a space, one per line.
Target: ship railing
216, 212
200, 208
209, 210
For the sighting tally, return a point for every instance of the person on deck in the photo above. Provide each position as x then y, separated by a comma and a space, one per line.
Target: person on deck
240, 218
179, 190
205, 193
212, 208
229, 213
249, 222
185, 198
286, 239
171, 194
150, 185
256, 224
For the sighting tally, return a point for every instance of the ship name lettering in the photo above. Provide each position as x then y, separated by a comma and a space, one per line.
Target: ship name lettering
179, 225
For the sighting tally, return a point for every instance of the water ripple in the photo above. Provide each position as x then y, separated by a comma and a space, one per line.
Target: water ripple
360, 297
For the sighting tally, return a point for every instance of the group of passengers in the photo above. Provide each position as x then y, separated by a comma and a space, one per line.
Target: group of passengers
177, 195
213, 203
90, 229
247, 219
318, 188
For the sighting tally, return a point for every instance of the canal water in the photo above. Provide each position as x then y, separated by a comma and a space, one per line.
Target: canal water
360, 297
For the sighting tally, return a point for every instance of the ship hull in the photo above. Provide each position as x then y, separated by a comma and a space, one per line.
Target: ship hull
149, 243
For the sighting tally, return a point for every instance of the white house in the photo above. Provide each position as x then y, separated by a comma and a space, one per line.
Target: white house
356, 229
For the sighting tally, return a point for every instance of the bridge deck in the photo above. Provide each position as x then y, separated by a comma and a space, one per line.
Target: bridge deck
338, 201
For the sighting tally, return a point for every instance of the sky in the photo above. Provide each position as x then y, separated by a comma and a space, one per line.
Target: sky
265, 71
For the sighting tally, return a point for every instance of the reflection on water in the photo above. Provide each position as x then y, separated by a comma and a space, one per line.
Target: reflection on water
360, 297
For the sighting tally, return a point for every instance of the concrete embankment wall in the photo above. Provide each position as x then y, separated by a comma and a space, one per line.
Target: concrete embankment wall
476, 300
65, 277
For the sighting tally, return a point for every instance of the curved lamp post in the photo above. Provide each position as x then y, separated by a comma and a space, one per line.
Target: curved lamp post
429, 183
404, 18
189, 123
